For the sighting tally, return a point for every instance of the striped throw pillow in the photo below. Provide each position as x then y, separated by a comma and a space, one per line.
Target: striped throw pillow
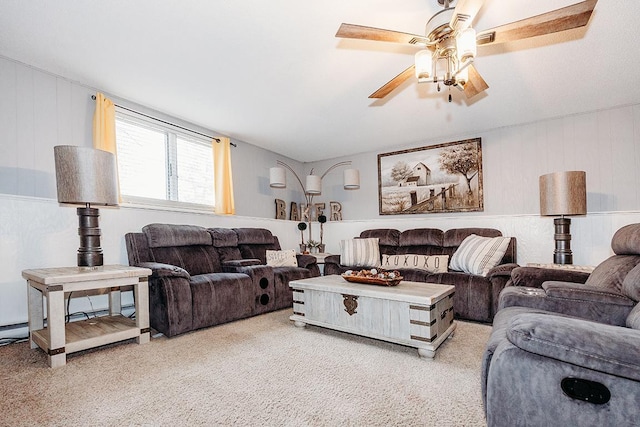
477, 255
360, 252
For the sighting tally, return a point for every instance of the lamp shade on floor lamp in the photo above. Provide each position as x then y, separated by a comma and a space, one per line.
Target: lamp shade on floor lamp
277, 178
351, 179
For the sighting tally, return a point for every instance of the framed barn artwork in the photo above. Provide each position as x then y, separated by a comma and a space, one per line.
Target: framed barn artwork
435, 179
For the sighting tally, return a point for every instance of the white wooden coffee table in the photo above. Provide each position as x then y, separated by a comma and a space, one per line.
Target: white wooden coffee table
414, 314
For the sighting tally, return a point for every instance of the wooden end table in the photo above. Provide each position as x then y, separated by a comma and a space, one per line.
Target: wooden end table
59, 338
582, 268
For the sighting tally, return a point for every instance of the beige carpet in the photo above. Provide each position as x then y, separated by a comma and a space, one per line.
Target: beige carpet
261, 371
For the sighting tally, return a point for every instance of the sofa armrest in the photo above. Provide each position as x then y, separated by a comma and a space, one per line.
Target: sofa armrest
260, 274
580, 291
306, 261
610, 349
332, 259
164, 270
170, 298
534, 277
332, 265
499, 277
502, 270
241, 262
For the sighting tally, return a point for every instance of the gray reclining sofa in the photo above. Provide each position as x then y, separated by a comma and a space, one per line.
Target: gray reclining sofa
565, 346
203, 277
476, 297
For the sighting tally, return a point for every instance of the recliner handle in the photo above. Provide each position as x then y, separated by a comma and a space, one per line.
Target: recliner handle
585, 390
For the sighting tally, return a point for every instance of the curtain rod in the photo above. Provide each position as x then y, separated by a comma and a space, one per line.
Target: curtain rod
167, 123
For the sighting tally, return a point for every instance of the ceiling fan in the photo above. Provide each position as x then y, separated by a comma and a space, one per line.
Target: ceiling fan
450, 43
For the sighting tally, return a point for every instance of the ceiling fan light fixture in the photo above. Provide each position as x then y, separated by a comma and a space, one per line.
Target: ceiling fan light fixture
438, 26
424, 65
462, 76
453, 41
466, 45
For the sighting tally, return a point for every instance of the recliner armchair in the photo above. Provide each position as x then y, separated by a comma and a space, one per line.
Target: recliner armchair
564, 353
599, 296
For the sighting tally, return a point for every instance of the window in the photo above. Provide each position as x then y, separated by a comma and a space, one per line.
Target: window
161, 162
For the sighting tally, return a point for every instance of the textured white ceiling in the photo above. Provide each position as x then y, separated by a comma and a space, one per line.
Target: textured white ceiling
271, 73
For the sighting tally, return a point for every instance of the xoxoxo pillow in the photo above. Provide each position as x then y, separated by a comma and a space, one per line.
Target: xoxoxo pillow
430, 263
286, 258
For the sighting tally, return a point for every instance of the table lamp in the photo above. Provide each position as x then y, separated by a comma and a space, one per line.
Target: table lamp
86, 176
563, 194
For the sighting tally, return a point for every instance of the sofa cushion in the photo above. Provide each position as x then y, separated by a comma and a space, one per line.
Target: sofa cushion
285, 258
167, 235
609, 349
388, 239
478, 255
257, 251
254, 236
626, 241
430, 263
223, 237
631, 284
633, 320
385, 236
611, 272
415, 275
220, 298
426, 241
360, 252
454, 237
194, 259
229, 254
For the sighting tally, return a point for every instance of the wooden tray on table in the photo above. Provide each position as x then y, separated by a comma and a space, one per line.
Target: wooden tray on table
372, 280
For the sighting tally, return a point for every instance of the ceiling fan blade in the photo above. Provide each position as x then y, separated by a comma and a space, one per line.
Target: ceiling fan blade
464, 14
393, 83
352, 31
566, 18
475, 84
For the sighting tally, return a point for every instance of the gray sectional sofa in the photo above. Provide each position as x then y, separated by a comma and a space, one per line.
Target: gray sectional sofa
207, 276
476, 297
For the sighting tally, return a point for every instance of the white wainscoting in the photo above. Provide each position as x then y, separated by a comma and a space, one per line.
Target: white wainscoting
38, 233
591, 234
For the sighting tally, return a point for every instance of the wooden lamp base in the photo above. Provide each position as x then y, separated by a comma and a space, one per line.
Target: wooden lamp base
562, 236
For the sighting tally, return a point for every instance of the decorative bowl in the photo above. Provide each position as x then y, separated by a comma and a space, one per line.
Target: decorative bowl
373, 279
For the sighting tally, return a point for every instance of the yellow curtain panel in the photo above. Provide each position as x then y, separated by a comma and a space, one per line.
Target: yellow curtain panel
104, 128
223, 177
104, 124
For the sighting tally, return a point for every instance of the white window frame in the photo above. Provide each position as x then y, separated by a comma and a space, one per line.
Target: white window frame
172, 133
